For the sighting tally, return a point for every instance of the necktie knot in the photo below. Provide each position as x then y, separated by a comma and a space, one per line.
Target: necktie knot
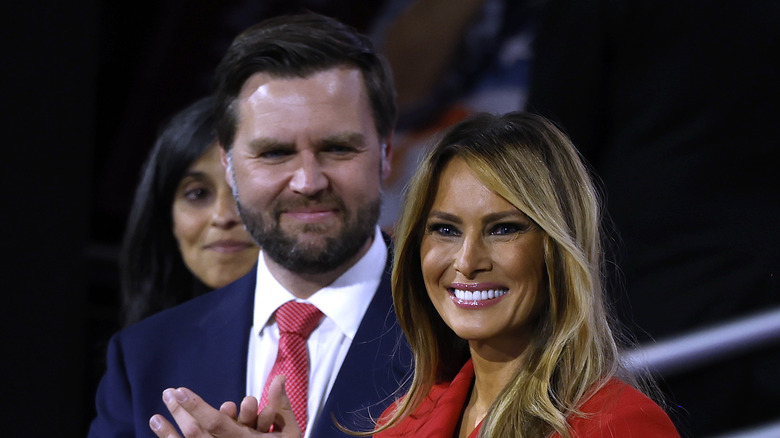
297, 318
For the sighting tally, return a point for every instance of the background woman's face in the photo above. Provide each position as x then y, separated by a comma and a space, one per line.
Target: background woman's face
212, 239
482, 261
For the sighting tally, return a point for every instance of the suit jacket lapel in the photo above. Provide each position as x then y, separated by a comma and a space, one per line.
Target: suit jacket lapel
372, 372
224, 334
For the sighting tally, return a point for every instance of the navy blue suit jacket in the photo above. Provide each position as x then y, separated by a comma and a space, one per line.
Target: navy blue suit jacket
202, 344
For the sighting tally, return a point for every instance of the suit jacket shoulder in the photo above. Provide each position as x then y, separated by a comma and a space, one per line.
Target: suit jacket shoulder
619, 409
201, 344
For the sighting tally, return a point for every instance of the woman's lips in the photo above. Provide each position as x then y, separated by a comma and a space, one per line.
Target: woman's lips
483, 295
229, 246
476, 296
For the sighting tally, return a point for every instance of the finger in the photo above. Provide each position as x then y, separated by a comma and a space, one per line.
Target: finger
229, 408
267, 416
206, 420
278, 394
162, 427
248, 413
187, 424
287, 421
278, 412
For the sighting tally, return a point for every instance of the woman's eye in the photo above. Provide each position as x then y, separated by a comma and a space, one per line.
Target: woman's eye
443, 229
197, 194
508, 228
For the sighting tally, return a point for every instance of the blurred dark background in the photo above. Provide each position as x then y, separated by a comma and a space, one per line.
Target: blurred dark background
86, 86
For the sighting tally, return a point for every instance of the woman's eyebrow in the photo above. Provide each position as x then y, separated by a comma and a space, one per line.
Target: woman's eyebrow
196, 174
436, 214
508, 214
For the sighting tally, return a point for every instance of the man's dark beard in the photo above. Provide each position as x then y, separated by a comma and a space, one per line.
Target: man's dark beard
286, 251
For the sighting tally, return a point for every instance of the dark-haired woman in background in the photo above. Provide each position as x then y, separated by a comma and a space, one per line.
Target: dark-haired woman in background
184, 236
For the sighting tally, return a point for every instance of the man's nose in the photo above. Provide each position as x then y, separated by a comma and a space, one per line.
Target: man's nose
309, 178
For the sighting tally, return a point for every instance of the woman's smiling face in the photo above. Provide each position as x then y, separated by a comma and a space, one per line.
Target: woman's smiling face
482, 260
212, 240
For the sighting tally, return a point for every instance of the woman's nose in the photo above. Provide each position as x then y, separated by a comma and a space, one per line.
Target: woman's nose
225, 214
472, 257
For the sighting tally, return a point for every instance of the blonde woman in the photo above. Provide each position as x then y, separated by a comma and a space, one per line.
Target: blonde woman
497, 287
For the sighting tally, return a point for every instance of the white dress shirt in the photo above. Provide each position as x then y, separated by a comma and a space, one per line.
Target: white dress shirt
343, 302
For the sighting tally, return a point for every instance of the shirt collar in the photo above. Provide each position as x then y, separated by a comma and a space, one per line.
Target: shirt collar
344, 301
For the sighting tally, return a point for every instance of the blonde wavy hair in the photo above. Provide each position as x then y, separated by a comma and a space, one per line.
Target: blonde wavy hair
529, 162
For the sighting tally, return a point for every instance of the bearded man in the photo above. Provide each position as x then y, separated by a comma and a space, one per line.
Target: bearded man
305, 113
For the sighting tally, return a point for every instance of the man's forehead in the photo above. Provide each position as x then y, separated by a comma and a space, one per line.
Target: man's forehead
324, 104
328, 78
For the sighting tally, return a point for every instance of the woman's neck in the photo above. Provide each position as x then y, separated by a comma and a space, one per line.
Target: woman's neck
493, 370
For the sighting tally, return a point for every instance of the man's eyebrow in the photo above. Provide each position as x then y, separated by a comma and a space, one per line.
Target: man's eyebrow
263, 143
347, 138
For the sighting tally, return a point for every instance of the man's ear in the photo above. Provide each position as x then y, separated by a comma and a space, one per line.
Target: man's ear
387, 156
227, 164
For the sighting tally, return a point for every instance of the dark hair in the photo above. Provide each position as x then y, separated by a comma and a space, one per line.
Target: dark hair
298, 46
152, 273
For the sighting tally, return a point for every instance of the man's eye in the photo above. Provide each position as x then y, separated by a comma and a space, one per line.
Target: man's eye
443, 230
274, 154
338, 149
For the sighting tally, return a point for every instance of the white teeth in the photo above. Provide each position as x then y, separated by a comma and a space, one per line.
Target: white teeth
479, 295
